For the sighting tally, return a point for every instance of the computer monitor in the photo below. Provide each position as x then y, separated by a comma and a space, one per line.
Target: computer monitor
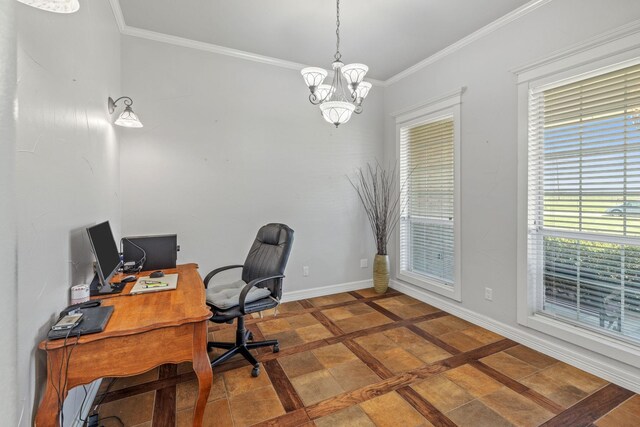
107, 256
151, 252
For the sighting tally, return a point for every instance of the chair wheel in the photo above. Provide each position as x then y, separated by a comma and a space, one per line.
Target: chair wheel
255, 371
276, 348
250, 336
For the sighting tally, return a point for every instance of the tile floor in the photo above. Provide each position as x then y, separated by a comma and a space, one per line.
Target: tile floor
362, 359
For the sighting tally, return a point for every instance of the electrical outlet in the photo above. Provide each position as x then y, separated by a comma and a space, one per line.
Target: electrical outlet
305, 271
488, 294
364, 263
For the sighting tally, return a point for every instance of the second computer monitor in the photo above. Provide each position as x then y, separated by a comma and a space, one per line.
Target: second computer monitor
161, 251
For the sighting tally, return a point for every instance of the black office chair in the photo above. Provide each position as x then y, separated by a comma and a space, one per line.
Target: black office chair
260, 289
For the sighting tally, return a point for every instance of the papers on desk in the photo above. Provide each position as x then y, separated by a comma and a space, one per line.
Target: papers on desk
147, 284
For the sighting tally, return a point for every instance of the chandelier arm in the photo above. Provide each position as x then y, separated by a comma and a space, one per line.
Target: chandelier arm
314, 99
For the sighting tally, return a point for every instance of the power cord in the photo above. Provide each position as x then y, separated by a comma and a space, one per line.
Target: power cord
140, 264
61, 387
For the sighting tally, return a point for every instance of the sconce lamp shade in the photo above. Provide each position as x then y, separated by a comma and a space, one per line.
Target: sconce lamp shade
128, 119
57, 6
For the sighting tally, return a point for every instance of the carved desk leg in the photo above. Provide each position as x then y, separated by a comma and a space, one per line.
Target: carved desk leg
48, 411
202, 368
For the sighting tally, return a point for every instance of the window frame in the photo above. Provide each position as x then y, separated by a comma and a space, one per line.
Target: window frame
444, 107
579, 64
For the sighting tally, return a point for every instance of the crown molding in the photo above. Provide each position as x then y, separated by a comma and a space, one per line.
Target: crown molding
482, 32
249, 56
616, 35
117, 13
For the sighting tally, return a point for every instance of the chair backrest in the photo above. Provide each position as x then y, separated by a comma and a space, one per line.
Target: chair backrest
268, 256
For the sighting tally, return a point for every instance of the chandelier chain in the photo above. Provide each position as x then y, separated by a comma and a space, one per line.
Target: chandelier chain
337, 55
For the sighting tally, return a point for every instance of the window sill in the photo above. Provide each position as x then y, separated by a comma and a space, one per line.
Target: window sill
603, 344
432, 285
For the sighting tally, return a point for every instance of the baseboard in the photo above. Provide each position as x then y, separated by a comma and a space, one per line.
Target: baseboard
621, 377
321, 291
83, 412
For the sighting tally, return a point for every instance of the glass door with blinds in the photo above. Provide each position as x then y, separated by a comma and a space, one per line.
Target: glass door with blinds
584, 202
427, 224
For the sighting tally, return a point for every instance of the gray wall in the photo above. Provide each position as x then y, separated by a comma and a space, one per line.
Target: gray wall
8, 394
489, 137
67, 169
229, 145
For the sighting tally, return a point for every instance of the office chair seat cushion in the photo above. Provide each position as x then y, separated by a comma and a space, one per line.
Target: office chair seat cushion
226, 296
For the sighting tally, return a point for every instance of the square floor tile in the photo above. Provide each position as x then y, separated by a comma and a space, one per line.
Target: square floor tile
482, 335
257, 405
516, 408
363, 321
331, 299
187, 392
376, 343
316, 386
274, 326
353, 375
313, 333
509, 365
473, 381
399, 360
238, 381
352, 416
368, 292
216, 414
476, 414
302, 320
531, 357
334, 355
131, 410
442, 393
460, 341
403, 414
443, 325
556, 390
300, 364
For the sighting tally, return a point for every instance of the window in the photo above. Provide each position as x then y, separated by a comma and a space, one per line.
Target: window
428, 146
583, 216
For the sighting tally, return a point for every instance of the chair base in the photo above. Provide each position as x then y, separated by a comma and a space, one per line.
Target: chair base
242, 346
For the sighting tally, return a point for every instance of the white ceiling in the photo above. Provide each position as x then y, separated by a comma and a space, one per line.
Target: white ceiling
388, 36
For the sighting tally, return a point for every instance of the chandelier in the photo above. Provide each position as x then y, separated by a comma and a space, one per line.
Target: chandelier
347, 90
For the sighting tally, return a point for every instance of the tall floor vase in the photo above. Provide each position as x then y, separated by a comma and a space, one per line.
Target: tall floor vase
381, 273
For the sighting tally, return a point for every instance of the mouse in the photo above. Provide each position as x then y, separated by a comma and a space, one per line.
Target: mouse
128, 279
156, 274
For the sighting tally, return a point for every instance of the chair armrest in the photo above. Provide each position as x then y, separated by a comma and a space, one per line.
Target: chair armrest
251, 284
219, 270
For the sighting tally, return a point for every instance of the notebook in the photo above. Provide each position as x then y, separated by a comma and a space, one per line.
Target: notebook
94, 320
146, 284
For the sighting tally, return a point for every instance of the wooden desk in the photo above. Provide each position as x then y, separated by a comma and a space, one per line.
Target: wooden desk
145, 331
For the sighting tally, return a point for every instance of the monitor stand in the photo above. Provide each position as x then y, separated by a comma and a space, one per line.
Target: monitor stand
111, 288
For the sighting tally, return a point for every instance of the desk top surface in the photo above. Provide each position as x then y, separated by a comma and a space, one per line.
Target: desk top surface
134, 314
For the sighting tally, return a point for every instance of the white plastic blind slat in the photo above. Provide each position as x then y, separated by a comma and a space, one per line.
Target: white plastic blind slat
426, 228
584, 202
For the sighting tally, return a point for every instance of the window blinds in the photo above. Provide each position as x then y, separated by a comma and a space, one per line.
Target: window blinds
427, 175
584, 202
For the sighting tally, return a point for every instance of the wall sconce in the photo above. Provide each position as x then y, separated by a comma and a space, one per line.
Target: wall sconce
127, 118
57, 6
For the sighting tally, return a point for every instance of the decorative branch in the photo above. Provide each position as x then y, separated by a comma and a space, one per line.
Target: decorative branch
381, 198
